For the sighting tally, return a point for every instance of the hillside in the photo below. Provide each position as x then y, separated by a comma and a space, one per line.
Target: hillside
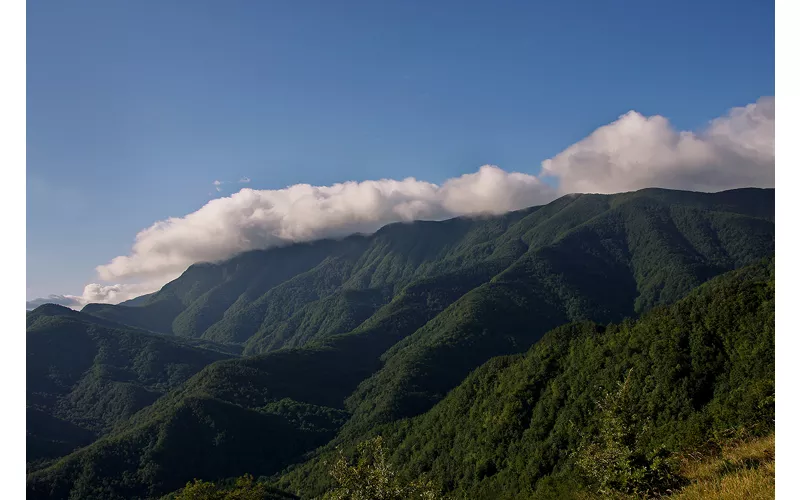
344, 336
693, 372
84, 375
268, 299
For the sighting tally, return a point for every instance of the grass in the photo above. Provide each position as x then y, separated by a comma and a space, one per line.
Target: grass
740, 470
743, 470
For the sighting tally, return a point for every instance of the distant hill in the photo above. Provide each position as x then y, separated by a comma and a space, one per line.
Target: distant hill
343, 337
86, 374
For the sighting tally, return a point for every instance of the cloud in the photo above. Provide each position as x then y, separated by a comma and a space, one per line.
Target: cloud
253, 219
103, 294
114, 294
634, 152
218, 184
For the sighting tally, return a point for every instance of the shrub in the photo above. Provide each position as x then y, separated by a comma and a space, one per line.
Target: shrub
613, 461
370, 477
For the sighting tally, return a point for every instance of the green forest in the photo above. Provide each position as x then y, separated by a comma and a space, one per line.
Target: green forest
580, 349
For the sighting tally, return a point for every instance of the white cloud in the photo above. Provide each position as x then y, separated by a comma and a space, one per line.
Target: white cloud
218, 184
634, 152
252, 219
114, 294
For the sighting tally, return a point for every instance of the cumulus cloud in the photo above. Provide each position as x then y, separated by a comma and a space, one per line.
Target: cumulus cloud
113, 294
634, 152
251, 219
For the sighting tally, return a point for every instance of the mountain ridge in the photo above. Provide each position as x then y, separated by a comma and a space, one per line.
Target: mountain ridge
208, 300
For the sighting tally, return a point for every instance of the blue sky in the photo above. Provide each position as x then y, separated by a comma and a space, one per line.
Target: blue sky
135, 108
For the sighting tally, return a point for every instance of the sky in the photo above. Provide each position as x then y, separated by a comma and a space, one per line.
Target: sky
166, 133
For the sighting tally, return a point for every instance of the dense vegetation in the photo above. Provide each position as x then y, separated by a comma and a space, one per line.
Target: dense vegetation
290, 295
681, 376
368, 476
342, 338
242, 488
85, 375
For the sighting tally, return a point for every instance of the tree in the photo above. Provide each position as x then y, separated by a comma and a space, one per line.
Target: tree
244, 488
370, 477
613, 461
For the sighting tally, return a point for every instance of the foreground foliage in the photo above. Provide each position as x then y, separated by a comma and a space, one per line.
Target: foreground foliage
612, 462
370, 477
741, 470
242, 488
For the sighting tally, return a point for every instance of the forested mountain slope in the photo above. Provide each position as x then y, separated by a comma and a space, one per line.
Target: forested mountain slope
85, 374
272, 298
699, 369
343, 336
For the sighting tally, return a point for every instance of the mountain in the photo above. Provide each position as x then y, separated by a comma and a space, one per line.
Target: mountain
694, 371
136, 301
85, 374
342, 337
260, 298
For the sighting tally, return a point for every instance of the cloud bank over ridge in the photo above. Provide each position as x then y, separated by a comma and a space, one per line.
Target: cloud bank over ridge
251, 219
633, 152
